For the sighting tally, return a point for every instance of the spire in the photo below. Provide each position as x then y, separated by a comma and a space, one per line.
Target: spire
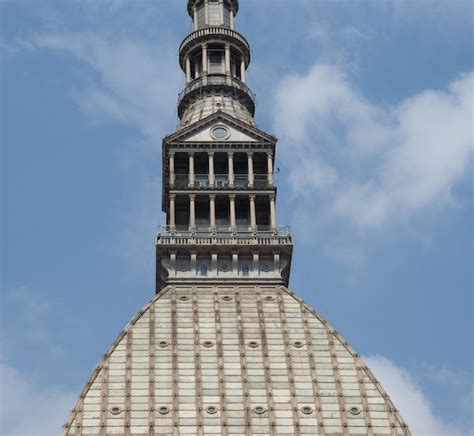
214, 59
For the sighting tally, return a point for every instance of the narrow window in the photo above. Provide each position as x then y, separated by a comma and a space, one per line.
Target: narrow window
245, 270
214, 13
204, 270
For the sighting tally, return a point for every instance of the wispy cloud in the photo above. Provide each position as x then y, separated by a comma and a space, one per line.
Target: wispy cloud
135, 82
407, 395
28, 410
367, 165
29, 325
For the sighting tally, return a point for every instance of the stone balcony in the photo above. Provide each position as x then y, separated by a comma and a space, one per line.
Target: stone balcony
213, 34
223, 235
212, 84
221, 181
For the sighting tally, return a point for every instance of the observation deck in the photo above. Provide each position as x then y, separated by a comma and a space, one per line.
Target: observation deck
211, 84
223, 235
214, 34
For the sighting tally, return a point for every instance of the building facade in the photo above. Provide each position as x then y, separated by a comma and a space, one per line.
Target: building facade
225, 347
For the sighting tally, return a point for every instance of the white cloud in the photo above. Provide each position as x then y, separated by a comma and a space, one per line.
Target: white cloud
29, 325
136, 82
415, 407
28, 410
367, 164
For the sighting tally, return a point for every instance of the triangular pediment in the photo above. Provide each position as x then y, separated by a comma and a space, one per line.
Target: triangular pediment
220, 127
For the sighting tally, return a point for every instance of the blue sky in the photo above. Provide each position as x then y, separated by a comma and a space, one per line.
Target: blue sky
372, 102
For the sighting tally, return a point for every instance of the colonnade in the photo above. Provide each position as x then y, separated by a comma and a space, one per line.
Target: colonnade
226, 67
212, 211
231, 174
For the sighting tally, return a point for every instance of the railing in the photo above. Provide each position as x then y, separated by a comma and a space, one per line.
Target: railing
221, 181
241, 180
181, 180
261, 181
216, 79
222, 232
214, 31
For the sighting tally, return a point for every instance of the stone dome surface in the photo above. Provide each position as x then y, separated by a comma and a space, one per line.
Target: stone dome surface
232, 360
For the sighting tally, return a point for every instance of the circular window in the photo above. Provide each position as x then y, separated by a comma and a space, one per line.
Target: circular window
183, 267
115, 410
266, 268
184, 298
220, 132
208, 344
224, 267
162, 344
354, 410
163, 410
298, 344
269, 298
253, 344
227, 298
259, 410
307, 410
211, 410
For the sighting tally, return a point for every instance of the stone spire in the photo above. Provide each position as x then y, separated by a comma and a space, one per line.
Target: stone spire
224, 347
214, 59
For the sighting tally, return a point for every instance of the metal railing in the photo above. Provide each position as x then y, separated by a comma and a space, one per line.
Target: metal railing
214, 31
221, 181
223, 231
216, 79
241, 180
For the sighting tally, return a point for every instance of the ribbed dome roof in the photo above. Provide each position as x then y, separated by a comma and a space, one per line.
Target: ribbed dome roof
240, 360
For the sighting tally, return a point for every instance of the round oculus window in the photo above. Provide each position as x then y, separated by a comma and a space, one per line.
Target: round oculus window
220, 132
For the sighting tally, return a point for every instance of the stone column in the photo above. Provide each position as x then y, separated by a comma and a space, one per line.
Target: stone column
250, 166
188, 70
256, 264
235, 262
191, 176
212, 179
232, 19
195, 14
273, 213
172, 221
206, 11
276, 262
221, 8
253, 215
173, 263
227, 59
227, 71
232, 212
192, 212
212, 210
242, 70
270, 168
204, 59
214, 264
230, 156
172, 175
193, 263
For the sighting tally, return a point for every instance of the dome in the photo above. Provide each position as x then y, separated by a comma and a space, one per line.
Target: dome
242, 360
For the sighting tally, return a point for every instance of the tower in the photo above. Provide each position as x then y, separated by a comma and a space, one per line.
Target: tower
224, 347
218, 185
